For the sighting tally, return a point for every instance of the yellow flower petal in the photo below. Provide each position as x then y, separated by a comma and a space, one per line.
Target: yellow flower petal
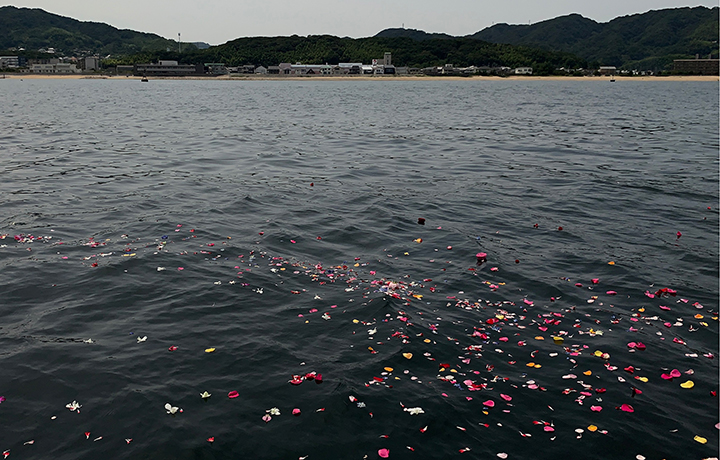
209, 350
530, 364
592, 428
587, 373
389, 369
688, 384
700, 439
642, 379
539, 338
407, 355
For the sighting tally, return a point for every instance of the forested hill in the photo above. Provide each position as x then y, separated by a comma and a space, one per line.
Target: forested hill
321, 49
412, 33
627, 40
647, 40
35, 28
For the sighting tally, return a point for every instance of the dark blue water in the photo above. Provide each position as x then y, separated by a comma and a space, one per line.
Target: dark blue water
277, 223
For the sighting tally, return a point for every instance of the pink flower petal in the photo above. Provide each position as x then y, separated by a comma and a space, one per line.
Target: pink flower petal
506, 397
233, 394
675, 373
383, 453
627, 408
596, 408
489, 403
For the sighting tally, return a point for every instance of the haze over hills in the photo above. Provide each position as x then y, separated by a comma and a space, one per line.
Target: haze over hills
646, 40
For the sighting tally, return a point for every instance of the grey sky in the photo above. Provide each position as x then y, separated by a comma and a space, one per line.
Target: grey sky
218, 21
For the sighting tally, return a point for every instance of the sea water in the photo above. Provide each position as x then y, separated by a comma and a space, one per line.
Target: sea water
168, 238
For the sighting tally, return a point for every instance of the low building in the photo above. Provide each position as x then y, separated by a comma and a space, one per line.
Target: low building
350, 68
168, 69
59, 68
260, 70
12, 62
697, 66
523, 71
305, 69
124, 69
216, 68
607, 70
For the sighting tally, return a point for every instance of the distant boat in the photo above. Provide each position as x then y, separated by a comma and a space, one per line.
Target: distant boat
144, 78
612, 79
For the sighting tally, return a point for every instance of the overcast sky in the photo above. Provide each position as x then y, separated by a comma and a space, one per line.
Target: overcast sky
218, 21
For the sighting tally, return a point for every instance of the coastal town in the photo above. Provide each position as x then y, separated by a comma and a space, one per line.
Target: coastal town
92, 65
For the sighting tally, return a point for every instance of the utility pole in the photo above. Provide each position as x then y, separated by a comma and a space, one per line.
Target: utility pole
179, 50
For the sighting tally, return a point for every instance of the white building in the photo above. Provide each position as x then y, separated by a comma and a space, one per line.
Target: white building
305, 69
9, 62
523, 71
59, 68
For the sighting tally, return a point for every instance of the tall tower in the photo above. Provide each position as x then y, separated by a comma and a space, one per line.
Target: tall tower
387, 59
179, 50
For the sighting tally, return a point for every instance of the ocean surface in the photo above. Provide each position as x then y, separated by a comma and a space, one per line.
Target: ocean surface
424, 270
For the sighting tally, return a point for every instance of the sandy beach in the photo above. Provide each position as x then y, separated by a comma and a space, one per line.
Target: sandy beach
243, 77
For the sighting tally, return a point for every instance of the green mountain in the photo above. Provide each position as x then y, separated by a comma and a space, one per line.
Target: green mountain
646, 40
321, 49
411, 33
35, 28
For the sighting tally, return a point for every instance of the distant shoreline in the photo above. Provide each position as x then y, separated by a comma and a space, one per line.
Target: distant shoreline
242, 77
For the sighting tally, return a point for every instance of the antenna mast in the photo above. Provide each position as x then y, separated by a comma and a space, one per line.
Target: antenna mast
179, 43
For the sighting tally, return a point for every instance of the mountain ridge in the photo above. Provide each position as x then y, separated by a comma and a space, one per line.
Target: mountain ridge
652, 38
645, 41
34, 28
